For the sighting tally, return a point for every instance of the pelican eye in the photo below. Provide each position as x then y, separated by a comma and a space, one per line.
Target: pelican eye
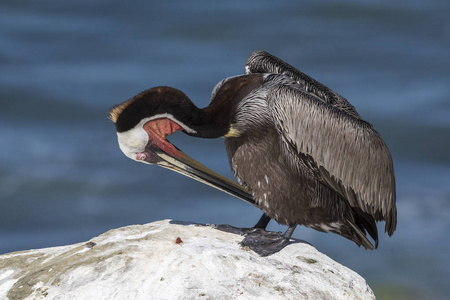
141, 156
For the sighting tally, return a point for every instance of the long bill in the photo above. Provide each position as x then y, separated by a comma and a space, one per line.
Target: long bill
189, 167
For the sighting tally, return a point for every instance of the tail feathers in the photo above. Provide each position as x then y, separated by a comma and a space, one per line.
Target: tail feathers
366, 223
360, 238
356, 229
355, 226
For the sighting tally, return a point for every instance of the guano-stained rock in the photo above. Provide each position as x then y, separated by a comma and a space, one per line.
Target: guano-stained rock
175, 260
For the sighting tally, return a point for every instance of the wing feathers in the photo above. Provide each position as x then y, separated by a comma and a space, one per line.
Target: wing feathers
350, 155
322, 125
263, 62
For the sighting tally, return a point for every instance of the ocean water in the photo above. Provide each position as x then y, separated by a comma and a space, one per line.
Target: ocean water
64, 180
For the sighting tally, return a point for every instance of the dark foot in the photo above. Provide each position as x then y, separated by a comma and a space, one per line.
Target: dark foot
235, 230
265, 243
262, 242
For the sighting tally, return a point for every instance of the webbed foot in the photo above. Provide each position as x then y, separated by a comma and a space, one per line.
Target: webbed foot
262, 224
262, 242
235, 230
265, 243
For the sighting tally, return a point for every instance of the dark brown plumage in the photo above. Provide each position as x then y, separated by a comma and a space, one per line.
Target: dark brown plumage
302, 152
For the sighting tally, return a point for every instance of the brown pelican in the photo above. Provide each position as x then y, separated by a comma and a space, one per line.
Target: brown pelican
300, 151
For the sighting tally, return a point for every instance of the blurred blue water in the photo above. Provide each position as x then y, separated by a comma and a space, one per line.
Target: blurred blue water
63, 65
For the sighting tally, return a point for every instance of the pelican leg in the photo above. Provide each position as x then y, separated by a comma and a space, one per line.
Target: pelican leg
263, 222
266, 243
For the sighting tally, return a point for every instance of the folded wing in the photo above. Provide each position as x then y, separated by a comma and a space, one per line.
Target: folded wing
346, 152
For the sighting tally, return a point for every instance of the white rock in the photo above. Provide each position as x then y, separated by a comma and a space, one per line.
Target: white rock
146, 262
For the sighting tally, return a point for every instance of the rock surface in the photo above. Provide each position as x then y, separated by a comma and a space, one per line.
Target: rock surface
175, 260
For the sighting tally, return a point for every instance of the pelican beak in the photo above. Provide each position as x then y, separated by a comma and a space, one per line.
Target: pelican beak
186, 165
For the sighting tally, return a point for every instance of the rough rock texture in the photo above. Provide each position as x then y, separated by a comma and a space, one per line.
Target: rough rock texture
174, 260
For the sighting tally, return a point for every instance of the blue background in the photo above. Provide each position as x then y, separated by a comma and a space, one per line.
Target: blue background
64, 180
